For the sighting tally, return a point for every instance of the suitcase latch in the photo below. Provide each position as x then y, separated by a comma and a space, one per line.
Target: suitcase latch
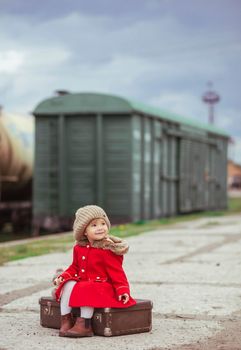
98, 317
47, 309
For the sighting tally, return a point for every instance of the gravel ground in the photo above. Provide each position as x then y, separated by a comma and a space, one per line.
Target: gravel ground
191, 272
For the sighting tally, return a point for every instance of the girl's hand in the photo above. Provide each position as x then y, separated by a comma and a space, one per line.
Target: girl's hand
124, 298
58, 281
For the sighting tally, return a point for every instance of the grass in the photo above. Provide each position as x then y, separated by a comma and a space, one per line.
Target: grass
51, 244
35, 248
234, 205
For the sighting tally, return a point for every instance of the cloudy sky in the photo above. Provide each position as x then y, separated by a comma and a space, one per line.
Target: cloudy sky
161, 52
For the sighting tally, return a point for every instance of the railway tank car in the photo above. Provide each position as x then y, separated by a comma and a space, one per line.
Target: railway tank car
16, 168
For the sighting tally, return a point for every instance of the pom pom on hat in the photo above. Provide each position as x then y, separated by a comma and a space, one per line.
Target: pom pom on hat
83, 216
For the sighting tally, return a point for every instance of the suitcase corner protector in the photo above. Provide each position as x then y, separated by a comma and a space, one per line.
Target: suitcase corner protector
107, 332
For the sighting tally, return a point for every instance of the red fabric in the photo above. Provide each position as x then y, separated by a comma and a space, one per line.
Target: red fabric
100, 276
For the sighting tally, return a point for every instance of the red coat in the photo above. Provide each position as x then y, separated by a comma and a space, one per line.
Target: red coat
100, 278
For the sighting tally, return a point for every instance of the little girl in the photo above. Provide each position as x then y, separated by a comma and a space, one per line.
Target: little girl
96, 277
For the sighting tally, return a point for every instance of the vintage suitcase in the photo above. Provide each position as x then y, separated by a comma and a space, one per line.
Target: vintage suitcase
106, 321
134, 319
49, 312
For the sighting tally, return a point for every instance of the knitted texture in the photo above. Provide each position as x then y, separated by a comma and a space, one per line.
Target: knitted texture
84, 216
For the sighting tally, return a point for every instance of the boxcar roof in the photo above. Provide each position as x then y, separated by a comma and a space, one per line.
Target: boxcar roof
78, 103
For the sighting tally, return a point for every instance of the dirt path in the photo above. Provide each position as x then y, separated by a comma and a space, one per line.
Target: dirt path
227, 339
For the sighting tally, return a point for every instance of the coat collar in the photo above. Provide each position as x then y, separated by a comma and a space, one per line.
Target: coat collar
115, 244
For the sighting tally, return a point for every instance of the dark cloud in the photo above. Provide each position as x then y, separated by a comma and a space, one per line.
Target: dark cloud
58, 8
161, 52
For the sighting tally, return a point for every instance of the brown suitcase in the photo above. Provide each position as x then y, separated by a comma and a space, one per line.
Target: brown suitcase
106, 321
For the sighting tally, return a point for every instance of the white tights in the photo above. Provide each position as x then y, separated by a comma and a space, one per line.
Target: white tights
85, 311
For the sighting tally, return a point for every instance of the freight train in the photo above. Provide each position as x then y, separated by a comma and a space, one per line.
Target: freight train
16, 169
137, 161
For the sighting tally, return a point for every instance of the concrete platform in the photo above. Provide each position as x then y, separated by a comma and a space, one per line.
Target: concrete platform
191, 272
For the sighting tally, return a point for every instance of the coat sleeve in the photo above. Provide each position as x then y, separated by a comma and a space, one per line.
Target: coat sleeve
73, 268
116, 273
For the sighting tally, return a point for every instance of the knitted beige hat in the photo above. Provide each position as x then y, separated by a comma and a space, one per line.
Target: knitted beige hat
83, 216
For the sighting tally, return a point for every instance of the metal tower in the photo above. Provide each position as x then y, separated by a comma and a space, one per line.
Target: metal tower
211, 97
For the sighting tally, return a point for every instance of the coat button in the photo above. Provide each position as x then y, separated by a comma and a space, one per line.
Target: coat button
87, 246
83, 270
98, 278
83, 257
76, 275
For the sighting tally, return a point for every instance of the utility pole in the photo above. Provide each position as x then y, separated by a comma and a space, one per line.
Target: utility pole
211, 97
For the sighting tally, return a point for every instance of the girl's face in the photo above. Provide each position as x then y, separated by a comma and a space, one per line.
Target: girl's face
96, 230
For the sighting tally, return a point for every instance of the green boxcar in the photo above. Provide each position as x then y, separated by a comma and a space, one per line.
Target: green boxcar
136, 161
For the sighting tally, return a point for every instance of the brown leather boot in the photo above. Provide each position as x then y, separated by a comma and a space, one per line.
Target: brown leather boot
66, 324
82, 328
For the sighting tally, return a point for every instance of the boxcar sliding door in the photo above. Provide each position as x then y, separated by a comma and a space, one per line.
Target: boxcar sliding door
169, 174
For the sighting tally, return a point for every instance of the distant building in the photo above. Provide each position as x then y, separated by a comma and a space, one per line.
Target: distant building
234, 175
